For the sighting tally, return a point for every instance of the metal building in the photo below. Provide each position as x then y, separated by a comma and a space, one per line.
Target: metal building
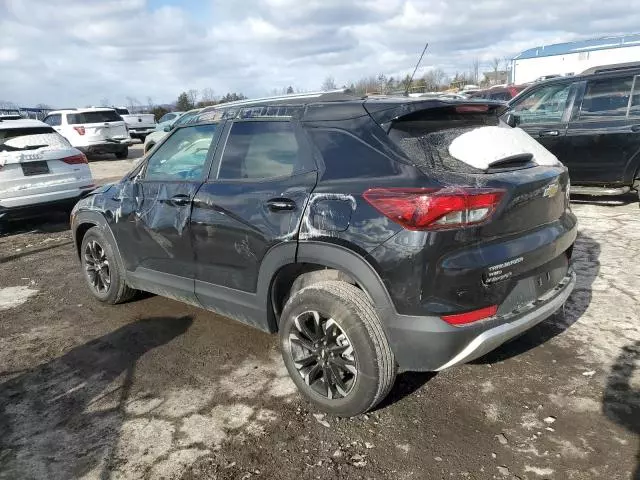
573, 58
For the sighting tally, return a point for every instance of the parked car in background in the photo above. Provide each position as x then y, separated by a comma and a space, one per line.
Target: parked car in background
39, 170
373, 234
591, 123
154, 138
167, 119
502, 93
139, 124
92, 130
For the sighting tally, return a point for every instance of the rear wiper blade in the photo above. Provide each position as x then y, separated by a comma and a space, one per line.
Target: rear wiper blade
9, 148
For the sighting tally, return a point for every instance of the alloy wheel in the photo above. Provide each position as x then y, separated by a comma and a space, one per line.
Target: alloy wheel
323, 355
96, 266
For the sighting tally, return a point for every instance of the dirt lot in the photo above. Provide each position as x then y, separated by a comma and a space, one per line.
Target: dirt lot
156, 389
105, 168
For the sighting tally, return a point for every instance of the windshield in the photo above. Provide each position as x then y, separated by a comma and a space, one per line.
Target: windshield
186, 118
31, 138
93, 117
166, 117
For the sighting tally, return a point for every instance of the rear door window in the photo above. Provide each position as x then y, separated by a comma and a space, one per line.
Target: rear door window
103, 116
545, 105
261, 149
606, 97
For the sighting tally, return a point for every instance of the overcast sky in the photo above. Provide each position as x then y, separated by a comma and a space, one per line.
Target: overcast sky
77, 52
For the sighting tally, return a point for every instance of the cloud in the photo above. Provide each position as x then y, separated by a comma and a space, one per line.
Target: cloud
74, 52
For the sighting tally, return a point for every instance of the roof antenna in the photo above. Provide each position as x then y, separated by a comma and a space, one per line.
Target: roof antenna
406, 92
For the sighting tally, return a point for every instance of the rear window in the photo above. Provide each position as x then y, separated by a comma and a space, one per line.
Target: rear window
93, 117
425, 135
502, 96
30, 137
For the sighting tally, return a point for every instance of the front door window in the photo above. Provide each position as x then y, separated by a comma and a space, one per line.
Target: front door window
545, 105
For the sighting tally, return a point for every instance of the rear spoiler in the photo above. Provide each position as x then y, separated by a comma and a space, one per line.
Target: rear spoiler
385, 114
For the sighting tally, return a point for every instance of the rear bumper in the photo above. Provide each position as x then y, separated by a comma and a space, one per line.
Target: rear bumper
430, 344
105, 147
136, 132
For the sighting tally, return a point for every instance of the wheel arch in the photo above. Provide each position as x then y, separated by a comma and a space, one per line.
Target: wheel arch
83, 221
319, 261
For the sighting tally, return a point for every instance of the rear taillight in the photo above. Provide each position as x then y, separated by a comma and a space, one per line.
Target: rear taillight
435, 209
470, 317
80, 130
75, 159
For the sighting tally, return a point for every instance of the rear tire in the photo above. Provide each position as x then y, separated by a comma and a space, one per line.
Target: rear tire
101, 268
335, 349
122, 154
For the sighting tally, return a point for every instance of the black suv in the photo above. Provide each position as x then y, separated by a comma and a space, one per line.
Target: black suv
591, 122
348, 226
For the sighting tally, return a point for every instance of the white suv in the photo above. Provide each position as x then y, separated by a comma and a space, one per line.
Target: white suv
92, 130
39, 170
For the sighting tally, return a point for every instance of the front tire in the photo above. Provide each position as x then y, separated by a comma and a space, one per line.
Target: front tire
101, 268
335, 349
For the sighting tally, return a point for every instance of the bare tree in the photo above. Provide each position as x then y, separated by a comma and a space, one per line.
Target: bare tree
104, 102
207, 95
6, 105
475, 71
150, 103
132, 102
193, 96
328, 84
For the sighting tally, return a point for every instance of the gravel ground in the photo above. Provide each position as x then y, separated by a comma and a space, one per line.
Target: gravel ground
157, 389
105, 168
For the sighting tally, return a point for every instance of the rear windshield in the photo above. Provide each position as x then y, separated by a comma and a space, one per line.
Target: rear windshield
32, 136
425, 135
93, 117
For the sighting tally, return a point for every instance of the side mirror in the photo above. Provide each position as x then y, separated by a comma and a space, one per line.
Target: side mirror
167, 128
512, 119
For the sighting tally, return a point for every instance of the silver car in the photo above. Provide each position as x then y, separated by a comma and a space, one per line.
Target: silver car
39, 169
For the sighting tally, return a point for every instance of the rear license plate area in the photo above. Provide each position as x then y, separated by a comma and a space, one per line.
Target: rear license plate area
35, 168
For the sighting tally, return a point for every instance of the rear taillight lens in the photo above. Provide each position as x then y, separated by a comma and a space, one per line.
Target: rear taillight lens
75, 159
435, 209
470, 317
80, 130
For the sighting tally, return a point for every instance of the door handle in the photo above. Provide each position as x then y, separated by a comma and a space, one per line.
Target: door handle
548, 133
180, 200
635, 128
281, 204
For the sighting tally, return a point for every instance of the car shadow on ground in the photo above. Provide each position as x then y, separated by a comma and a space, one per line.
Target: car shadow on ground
621, 399
53, 418
53, 221
586, 263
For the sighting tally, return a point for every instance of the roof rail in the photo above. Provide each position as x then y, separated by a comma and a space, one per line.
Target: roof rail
614, 67
292, 96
